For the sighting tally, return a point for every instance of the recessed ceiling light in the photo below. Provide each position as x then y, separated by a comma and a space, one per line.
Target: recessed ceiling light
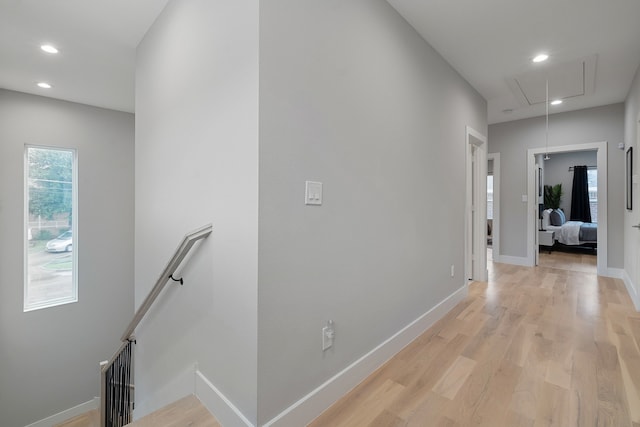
48, 48
556, 102
540, 58
44, 85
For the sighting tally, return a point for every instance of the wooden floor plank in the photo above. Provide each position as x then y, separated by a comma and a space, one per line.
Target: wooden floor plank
454, 377
583, 397
89, 419
184, 412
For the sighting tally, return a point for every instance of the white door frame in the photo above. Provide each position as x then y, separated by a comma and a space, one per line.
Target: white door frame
476, 225
631, 215
496, 205
532, 192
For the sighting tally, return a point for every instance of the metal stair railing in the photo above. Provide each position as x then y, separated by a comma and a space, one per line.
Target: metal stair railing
116, 374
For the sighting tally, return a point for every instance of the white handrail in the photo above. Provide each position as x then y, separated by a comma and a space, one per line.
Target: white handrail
181, 252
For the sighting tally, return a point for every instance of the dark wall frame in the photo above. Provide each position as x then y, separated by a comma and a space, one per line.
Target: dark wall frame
629, 178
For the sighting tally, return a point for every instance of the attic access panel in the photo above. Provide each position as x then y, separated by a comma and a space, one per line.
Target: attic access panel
566, 80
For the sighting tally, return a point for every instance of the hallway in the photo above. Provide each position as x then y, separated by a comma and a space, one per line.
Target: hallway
533, 346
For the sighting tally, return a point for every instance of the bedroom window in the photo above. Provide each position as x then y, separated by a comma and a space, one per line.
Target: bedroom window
592, 180
50, 227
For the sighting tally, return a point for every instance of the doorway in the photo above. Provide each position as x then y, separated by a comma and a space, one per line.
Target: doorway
493, 206
476, 206
533, 207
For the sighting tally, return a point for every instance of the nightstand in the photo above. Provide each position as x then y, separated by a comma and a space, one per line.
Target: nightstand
546, 238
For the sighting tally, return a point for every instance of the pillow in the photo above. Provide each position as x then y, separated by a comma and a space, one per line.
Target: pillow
557, 217
545, 218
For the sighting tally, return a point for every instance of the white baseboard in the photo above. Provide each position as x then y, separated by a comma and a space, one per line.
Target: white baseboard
513, 260
628, 283
192, 382
615, 273
182, 385
313, 404
217, 403
68, 414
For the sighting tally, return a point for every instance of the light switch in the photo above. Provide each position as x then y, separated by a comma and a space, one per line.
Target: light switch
313, 193
525, 198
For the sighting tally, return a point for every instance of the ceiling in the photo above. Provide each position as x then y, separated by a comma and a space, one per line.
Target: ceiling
593, 47
492, 42
97, 42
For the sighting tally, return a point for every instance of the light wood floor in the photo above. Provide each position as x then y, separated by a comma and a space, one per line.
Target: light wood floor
89, 419
584, 262
532, 347
186, 412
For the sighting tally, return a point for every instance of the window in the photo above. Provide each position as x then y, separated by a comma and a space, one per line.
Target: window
592, 180
50, 227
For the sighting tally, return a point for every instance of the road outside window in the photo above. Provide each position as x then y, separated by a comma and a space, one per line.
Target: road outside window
50, 209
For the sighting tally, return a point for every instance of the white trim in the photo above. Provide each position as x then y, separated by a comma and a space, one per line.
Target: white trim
74, 229
182, 385
217, 403
615, 273
513, 260
532, 205
628, 283
68, 414
476, 270
193, 382
496, 206
313, 404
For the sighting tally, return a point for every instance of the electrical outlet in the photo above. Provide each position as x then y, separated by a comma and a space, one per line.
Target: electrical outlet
328, 334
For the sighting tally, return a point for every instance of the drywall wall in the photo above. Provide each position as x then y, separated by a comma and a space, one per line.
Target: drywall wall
632, 235
197, 163
50, 357
512, 139
556, 171
353, 97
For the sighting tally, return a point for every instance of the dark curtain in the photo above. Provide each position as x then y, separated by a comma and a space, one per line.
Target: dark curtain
580, 210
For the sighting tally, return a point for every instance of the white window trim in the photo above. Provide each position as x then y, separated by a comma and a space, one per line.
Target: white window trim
74, 228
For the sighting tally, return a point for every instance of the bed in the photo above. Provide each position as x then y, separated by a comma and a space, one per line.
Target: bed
570, 233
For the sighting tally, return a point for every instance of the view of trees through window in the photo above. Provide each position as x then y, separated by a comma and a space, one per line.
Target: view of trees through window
50, 202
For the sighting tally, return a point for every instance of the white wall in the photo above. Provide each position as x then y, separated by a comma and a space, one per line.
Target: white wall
49, 358
197, 163
556, 171
512, 139
351, 96
632, 235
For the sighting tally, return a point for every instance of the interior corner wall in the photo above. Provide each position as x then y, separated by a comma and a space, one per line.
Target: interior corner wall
632, 235
197, 163
49, 358
513, 139
353, 97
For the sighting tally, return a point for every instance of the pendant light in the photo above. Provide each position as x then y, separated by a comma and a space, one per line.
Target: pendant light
546, 146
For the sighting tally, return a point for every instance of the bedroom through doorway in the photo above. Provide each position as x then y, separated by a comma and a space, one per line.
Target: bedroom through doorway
568, 232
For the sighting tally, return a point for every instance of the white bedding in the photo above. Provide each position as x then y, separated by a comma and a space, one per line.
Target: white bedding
567, 234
